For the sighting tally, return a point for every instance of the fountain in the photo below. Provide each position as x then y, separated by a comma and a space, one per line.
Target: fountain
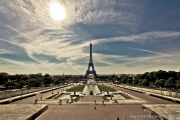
91, 88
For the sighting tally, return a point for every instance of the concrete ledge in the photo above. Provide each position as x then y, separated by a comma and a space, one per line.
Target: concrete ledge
131, 101
21, 111
35, 115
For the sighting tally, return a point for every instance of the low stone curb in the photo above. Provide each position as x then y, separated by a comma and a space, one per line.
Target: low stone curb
35, 115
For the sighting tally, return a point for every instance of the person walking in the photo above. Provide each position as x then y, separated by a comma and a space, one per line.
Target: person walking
95, 102
35, 102
118, 118
60, 102
95, 107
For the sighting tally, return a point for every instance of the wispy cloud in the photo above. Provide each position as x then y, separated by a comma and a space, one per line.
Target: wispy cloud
26, 28
144, 37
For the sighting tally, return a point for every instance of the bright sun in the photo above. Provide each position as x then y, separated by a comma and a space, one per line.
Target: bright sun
57, 11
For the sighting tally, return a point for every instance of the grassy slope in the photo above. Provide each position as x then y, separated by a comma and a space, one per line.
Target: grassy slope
76, 88
106, 88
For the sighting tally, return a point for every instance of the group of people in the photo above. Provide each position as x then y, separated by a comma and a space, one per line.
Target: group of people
102, 102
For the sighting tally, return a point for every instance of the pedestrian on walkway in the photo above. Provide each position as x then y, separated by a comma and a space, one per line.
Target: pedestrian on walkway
103, 102
95, 107
118, 118
35, 102
95, 102
60, 102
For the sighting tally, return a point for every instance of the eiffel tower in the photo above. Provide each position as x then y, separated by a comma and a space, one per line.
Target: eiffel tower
90, 65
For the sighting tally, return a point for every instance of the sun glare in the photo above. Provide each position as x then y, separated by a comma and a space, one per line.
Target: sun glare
57, 11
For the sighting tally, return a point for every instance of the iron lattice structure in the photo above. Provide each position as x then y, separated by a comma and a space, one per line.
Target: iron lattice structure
90, 65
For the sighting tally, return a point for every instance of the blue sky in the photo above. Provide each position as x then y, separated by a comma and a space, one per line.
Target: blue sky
128, 36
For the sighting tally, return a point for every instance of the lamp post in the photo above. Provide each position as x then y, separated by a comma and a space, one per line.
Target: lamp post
161, 94
21, 92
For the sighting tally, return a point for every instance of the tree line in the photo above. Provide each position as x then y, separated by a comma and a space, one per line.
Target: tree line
34, 80
159, 79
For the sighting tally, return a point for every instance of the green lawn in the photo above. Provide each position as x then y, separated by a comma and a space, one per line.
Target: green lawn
76, 88
106, 88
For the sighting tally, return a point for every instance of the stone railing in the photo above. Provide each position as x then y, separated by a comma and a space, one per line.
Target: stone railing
161, 92
10, 94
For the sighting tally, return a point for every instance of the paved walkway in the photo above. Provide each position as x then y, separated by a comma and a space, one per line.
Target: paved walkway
145, 91
87, 112
91, 99
31, 100
149, 99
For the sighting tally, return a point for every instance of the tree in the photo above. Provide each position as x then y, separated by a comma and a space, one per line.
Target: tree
24, 78
46, 75
124, 80
159, 83
169, 83
34, 83
143, 82
129, 81
3, 79
47, 80
177, 85
21, 84
172, 74
56, 82
178, 75
135, 80
10, 83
